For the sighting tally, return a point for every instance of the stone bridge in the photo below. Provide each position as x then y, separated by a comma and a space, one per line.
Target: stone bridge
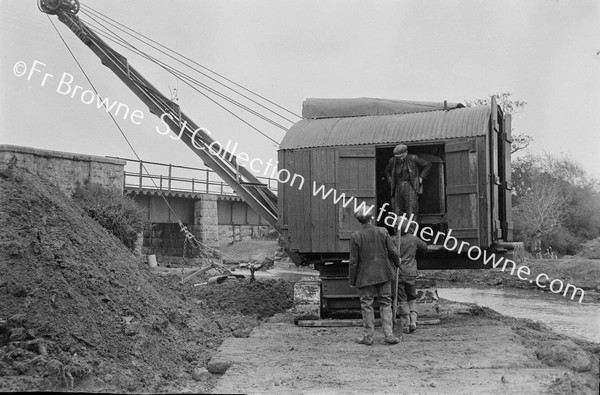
195, 196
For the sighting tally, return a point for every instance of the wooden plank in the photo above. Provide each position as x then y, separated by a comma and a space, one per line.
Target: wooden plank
333, 323
494, 137
466, 233
461, 189
484, 193
317, 219
298, 208
508, 127
507, 224
461, 145
305, 200
356, 153
332, 216
292, 206
296, 211
322, 231
356, 192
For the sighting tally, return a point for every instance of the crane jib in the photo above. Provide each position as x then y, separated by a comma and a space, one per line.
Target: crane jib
250, 189
75, 25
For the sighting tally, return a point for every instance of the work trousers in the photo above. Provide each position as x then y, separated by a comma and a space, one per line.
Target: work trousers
383, 292
407, 294
405, 200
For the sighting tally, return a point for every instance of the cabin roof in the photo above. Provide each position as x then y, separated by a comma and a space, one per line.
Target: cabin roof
388, 129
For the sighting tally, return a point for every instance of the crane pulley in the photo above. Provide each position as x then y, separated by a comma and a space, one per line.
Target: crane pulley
52, 7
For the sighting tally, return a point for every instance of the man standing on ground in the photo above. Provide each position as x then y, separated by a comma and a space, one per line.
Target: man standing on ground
407, 276
405, 174
372, 252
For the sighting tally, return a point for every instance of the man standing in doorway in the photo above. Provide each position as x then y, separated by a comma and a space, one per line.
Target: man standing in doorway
372, 252
405, 174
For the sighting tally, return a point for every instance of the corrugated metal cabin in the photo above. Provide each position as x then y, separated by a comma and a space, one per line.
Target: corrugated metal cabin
345, 144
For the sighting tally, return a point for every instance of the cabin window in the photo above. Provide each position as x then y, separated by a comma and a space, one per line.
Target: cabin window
432, 203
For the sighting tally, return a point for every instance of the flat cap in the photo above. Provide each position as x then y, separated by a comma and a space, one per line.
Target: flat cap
400, 149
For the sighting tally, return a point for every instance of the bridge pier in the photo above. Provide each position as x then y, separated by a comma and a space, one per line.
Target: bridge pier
206, 223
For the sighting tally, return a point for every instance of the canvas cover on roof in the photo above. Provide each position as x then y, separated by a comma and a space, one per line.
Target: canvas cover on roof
313, 108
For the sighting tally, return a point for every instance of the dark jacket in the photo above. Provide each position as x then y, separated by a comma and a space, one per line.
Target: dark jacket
417, 167
371, 249
409, 244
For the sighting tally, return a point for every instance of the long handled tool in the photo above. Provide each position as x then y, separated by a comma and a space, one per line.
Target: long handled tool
395, 302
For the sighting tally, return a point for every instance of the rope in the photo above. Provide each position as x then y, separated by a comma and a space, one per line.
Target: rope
170, 69
180, 74
206, 246
198, 71
111, 116
194, 62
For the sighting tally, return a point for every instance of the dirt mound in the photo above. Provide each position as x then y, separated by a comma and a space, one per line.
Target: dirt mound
78, 310
260, 298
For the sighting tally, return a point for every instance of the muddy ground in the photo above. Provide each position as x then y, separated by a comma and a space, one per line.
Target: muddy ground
79, 312
473, 351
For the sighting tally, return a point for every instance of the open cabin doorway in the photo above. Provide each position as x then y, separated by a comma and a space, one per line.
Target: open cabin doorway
432, 202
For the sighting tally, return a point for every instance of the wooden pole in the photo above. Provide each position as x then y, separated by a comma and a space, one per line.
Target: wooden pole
395, 302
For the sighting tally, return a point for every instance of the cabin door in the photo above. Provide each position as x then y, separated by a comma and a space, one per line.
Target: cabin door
506, 180
463, 191
496, 147
355, 178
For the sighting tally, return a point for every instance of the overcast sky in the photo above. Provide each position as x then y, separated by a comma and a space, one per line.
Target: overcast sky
543, 51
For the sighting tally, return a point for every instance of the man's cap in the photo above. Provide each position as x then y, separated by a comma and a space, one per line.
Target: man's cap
400, 149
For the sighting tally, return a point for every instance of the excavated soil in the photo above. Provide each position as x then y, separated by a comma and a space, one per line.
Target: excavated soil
259, 298
78, 311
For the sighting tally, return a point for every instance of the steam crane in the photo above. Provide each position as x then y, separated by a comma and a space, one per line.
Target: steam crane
345, 144
249, 188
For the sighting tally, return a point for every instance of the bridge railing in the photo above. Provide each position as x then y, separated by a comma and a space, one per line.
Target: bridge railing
169, 177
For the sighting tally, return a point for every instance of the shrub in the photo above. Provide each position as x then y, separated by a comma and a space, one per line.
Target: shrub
119, 214
563, 241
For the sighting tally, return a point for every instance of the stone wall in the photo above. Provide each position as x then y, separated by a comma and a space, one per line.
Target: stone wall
66, 170
165, 240
233, 233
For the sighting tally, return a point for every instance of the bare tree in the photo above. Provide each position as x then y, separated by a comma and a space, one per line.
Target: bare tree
509, 106
543, 208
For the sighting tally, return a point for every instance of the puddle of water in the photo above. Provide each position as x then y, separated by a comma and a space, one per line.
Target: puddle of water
288, 275
561, 314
